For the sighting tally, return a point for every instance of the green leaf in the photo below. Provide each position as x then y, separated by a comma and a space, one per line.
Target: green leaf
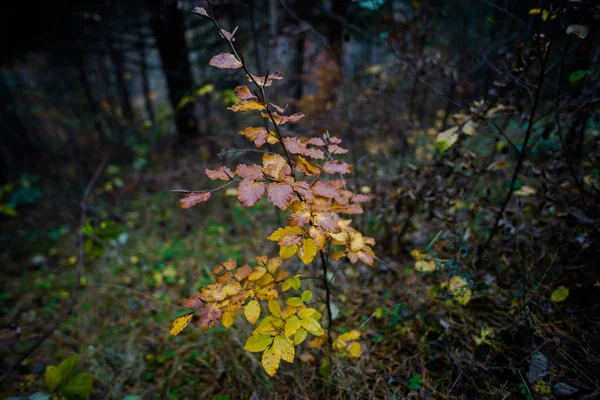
576, 76
79, 387
294, 302
559, 294
52, 377
67, 368
306, 296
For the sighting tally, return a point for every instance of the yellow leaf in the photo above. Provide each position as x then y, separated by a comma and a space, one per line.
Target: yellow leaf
281, 232
447, 139
285, 347
252, 311
267, 326
52, 377
306, 313
287, 251
256, 343
180, 323
313, 326
354, 349
257, 273
425, 266
559, 294
228, 318
525, 191
292, 326
418, 254
460, 289
308, 251
275, 308
271, 360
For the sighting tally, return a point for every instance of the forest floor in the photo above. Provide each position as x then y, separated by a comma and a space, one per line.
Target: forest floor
146, 254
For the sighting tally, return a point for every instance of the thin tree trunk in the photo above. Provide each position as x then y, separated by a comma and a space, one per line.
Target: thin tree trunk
89, 95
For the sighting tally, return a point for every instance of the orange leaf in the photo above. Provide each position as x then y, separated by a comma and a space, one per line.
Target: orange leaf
280, 194
222, 173
242, 272
259, 135
249, 192
306, 167
336, 166
243, 93
247, 105
225, 60
194, 198
276, 166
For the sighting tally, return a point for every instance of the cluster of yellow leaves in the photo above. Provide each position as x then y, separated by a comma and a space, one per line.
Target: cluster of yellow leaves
238, 288
278, 333
347, 344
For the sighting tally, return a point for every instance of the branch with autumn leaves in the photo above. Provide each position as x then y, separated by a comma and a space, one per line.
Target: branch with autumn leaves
315, 226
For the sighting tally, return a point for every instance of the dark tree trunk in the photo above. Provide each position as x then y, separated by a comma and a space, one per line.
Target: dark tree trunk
144, 67
87, 90
337, 30
299, 66
116, 55
169, 32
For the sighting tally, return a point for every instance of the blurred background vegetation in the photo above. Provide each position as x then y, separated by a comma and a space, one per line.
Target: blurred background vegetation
115, 100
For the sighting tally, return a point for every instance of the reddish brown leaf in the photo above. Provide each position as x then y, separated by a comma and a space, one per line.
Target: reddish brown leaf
194, 198
296, 146
200, 11
193, 301
209, 316
252, 172
324, 189
243, 93
361, 198
335, 149
225, 60
280, 194
223, 173
229, 264
269, 81
303, 190
249, 192
290, 240
336, 166
325, 220
283, 119
316, 141
279, 109
227, 35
